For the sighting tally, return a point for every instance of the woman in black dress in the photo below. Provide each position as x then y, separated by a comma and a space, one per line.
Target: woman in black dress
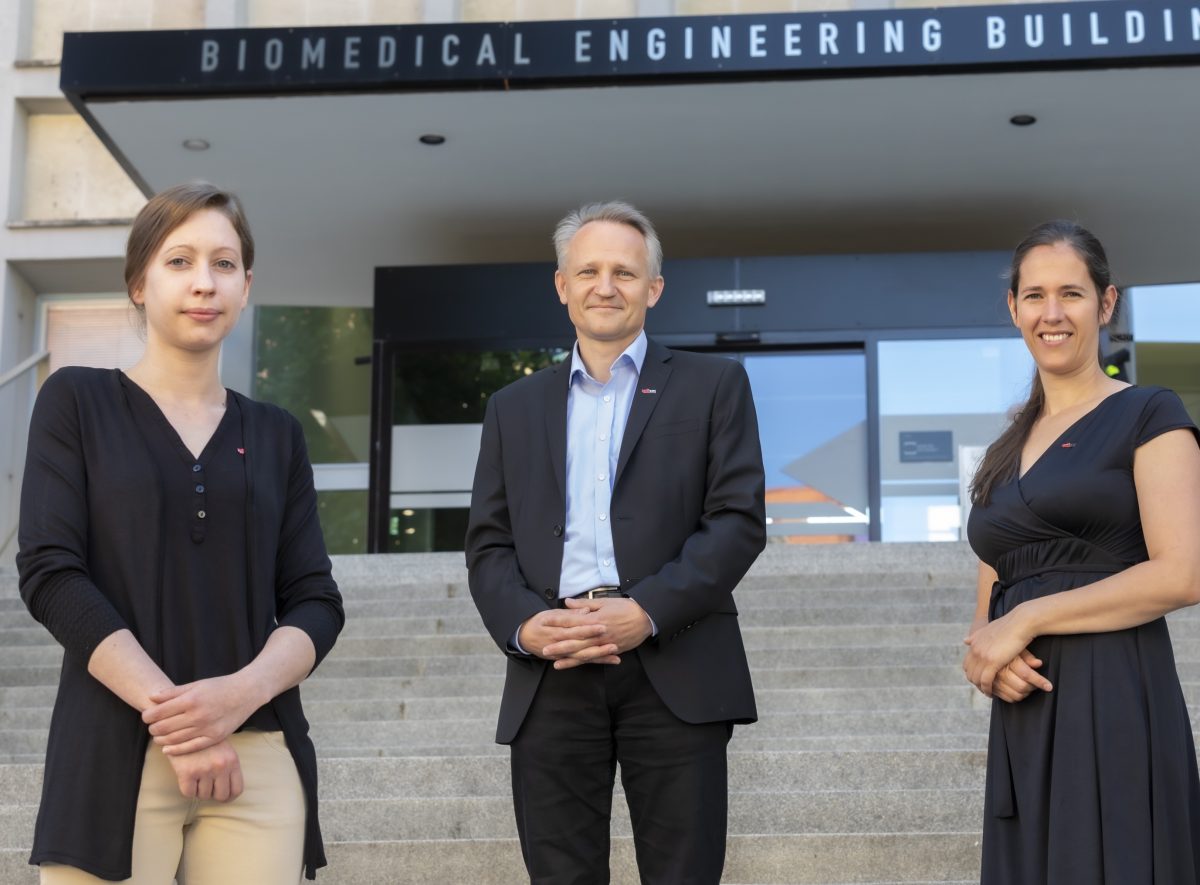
1086, 521
169, 540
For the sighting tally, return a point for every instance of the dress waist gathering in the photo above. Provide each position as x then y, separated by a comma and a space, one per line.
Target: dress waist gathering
1075, 560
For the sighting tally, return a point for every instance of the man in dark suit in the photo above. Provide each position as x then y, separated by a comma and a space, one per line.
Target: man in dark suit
618, 500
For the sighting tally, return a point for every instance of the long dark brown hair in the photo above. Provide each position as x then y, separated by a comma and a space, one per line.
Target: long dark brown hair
1003, 457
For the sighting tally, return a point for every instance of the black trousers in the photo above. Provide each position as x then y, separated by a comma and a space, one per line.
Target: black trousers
583, 722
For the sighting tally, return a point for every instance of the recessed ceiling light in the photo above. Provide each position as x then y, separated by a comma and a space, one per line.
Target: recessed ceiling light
433, 138
196, 144
1023, 120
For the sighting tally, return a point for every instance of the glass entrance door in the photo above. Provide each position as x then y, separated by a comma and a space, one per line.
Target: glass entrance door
812, 415
812, 420
436, 401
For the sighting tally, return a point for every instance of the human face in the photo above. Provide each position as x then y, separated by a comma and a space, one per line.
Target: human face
1058, 309
195, 287
606, 284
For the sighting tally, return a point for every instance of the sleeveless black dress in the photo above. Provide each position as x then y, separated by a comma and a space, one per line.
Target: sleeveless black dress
1094, 782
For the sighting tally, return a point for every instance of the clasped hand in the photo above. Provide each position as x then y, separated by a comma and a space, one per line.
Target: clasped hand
192, 723
587, 631
998, 661
212, 773
188, 718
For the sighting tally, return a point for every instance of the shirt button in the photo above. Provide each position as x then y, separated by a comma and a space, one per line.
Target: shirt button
196, 468
201, 514
200, 489
603, 517
608, 562
603, 437
607, 398
602, 476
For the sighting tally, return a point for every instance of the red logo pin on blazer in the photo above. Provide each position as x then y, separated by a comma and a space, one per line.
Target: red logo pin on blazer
649, 390
241, 451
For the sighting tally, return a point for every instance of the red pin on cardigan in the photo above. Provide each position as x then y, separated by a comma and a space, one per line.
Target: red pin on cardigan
1068, 445
241, 451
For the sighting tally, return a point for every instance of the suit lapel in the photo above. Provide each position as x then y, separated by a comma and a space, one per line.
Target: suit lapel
556, 422
650, 387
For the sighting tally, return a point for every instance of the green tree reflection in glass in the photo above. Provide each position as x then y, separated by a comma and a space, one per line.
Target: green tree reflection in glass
453, 387
449, 388
305, 362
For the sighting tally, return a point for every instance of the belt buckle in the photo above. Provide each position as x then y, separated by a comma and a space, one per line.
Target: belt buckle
599, 592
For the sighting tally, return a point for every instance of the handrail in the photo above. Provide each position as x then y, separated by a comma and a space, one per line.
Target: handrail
7, 378
22, 367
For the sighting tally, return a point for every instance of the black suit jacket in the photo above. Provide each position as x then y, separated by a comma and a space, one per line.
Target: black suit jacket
687, 519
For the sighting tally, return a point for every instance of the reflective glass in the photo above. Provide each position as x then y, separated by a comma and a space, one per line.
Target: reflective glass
438, 403
343, 520
1166, 345
940, 403
305, 361
812, 413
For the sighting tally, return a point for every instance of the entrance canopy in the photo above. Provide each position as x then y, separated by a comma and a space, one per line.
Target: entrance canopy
806, 133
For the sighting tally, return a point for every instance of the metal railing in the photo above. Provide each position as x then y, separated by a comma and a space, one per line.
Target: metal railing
22, 367
7, 378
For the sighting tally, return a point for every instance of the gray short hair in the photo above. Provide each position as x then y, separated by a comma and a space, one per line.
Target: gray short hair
615, 211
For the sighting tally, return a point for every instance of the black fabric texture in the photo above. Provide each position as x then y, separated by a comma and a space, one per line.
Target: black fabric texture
100, 550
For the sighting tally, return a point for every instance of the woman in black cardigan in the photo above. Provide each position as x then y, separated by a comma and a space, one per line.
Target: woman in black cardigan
169, 540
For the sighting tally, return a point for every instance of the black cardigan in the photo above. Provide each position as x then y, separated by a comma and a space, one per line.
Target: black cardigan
90, 562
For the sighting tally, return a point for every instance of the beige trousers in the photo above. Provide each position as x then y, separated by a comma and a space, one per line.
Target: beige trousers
257, 839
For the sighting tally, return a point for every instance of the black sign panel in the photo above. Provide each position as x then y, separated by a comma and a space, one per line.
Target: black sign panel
507, 55
922, 446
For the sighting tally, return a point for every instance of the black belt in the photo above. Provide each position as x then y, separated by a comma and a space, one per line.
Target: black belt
595, 593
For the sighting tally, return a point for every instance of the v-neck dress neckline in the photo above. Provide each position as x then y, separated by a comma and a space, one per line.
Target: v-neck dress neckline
1058, 440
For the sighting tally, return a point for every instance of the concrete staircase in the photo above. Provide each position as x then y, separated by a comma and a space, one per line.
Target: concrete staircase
866, 766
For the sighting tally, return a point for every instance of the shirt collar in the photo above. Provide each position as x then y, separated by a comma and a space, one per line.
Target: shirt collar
635, 353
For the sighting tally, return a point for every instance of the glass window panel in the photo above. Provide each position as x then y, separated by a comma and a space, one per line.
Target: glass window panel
1166, 331
305, 362
812, 412
940, 403
956, 376
1166, 313
438, 402
343, 520
453, 388
426, 529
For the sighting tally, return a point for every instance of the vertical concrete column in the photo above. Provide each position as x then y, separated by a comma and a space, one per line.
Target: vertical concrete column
14, 30
237, 354
441, 11
655, 8
225, 14
17, 314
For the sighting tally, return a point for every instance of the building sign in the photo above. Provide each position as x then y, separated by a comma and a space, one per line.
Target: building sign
279, 60
924, 446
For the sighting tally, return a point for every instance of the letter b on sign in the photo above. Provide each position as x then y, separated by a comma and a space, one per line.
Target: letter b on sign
209, 52
995, 32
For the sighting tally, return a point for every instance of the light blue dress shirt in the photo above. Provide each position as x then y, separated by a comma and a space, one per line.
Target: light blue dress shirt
596, 418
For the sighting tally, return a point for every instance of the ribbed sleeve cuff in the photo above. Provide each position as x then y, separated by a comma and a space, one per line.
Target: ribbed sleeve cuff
77, 614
